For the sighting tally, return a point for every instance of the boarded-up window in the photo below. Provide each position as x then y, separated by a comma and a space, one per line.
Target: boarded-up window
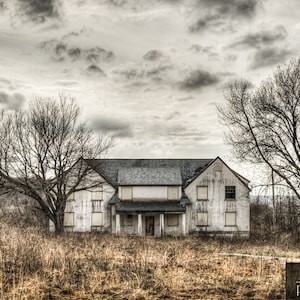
230, 219
126, 192
172, 220
202, 206
127, 220
173, 193
230, 192
96, 205
202, 219
96, 194
202, 192
69, 219
97, 219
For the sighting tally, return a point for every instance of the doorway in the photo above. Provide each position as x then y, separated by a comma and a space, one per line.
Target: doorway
150, 226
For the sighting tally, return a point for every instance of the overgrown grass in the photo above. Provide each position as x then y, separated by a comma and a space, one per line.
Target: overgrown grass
37, 265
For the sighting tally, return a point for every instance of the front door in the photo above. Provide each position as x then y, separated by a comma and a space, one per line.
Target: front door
150, 226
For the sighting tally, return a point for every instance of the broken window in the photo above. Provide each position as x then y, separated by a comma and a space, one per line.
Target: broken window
229, 192
127, 220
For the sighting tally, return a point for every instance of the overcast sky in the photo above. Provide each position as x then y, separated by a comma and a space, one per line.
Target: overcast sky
148, 72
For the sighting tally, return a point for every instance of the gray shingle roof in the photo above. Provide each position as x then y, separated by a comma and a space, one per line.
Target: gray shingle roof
153, 206
149, 176
108, 168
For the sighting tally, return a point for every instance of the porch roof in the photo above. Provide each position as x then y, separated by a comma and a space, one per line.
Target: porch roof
150, 206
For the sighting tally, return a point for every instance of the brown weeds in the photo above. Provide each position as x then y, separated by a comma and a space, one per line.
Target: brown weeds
37, 265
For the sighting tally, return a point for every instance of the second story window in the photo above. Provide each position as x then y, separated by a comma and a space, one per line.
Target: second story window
202, 192
126, 193
230, 192
173, 193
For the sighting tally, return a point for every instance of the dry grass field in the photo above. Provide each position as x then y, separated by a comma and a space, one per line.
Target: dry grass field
37, 265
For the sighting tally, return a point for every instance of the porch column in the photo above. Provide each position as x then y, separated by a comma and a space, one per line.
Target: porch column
140, 227
118, 227
183, 224
162, 224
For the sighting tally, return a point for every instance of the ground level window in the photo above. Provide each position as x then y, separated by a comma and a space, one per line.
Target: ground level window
202, 219
172, 220
97, 219
127, 220
230, 219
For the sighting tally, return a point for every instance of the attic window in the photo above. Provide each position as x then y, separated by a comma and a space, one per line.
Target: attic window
230, 192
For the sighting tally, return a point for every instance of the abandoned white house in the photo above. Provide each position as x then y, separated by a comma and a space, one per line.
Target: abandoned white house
162, 196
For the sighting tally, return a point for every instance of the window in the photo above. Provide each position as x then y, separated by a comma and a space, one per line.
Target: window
127, 220
202, 219
172, 220
126, 192
96, 205
97, 219
230, 218
96, 194
69, 219
202, 192
229, 192
173, 193
202, 206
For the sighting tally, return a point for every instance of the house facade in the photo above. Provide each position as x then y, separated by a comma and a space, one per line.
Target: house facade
159, 197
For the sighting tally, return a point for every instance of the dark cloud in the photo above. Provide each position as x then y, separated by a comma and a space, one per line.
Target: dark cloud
94, 69
217, 13
60, 50
40, 10
11, 102
116, 128
153, 55
269, 57
261, 38
198, 79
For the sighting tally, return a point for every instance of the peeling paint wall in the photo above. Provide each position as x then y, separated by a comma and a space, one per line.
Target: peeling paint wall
216, 177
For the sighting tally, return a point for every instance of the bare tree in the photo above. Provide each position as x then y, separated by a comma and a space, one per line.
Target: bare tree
42, 151
264, 122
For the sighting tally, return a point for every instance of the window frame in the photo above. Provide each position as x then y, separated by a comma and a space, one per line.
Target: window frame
228, 194
129, 188
235, 219
170, 192
198, 219
169, 221
202, 199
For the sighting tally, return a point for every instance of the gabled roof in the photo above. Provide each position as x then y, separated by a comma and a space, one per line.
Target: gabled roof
149, 176
108, 168
242, 179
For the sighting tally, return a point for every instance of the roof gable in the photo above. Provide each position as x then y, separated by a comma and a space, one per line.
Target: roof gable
242, 179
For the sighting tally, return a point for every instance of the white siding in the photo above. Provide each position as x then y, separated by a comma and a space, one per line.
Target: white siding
216, 177
151, 193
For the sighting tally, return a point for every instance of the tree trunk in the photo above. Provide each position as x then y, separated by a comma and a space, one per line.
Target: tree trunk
59, 222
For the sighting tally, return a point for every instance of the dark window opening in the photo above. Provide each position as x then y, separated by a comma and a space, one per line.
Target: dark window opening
229, 192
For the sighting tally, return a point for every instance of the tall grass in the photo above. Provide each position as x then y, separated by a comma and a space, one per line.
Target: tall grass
37, 265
